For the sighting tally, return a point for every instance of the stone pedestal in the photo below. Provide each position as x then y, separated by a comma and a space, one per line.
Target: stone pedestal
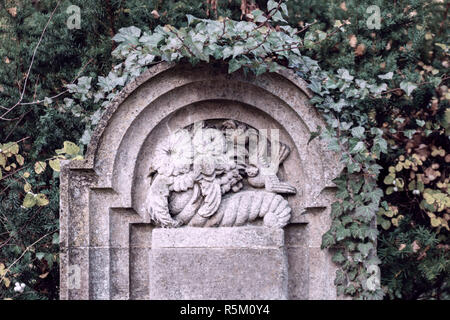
218, 263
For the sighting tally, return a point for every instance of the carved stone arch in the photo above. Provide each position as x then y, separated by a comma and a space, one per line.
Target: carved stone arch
105, 230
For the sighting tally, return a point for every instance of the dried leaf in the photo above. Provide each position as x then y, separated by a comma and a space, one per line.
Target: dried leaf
415, 246
155, 14
360, 49
353, 41
12, 11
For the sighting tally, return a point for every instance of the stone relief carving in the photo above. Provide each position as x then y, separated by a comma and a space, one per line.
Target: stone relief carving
218, 173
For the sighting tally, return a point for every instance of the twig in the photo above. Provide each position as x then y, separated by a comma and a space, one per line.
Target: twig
2, 117
63, 92
25, 251
21, 228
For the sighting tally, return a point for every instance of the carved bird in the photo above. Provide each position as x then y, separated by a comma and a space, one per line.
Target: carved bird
262, 170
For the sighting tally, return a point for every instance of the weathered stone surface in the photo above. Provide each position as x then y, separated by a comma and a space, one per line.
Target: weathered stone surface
231, 263
225, 237
107, 247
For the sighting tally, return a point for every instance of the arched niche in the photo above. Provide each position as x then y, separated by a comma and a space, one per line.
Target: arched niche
105, 229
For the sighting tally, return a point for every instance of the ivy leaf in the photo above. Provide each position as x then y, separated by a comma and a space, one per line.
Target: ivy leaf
55, 238
271, 5
234, 65
353, 167
364, 248
420, 123
340, 277
358, 132
365, 212
345, 75
315, 85
258, 16
386, 76
128, 35
315, 134
357, 231
408, 87
40, 255
358, 147
336, 209
333, 145
338, 257
152, 40
342, 233
409, 133
327, 240
350, 290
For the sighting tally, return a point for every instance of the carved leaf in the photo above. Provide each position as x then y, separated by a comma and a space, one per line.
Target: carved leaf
212, 198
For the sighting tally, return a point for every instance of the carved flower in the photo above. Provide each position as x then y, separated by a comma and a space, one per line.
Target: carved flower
174, 156
210, 146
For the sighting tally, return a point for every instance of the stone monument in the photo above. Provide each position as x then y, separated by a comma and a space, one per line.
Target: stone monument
199, 184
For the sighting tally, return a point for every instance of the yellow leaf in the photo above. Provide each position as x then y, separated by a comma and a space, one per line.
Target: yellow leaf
71, 148
7, 282
428, 198
29, 201
27, 187
39, 167
435, 222
20, 160
26, 175
2, 270
41, 200
2, 160
11, 147
55, 165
